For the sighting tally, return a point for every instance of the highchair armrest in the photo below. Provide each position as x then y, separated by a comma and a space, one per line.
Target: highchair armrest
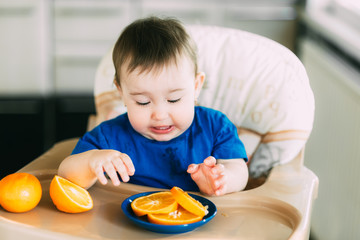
295, 184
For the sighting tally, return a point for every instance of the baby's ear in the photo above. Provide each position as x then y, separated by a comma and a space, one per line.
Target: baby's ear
115, 82
199, 82
118, 87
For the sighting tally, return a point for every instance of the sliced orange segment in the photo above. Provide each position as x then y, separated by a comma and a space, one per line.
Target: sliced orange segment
177, 217
69, 197
160, 202
188, 202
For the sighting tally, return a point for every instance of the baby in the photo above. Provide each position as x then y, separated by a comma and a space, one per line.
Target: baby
163, 140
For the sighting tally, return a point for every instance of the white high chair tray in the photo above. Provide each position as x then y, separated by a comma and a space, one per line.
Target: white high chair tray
243, 215
239, 216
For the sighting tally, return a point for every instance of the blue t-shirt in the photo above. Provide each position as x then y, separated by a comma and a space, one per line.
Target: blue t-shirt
164, 164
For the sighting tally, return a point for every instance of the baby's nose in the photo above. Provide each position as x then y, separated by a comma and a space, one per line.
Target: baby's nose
160, 112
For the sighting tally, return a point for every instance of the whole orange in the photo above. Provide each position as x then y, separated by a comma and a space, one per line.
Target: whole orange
20, 192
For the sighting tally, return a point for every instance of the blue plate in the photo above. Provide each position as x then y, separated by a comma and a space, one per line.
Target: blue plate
142, 221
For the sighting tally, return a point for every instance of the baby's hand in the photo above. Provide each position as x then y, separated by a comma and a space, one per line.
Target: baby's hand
209, 176
111, 162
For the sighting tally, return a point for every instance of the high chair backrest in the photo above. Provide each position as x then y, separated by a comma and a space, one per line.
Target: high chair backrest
260, 85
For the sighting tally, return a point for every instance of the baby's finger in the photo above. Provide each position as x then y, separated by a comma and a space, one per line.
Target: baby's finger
121, 169
109, 168
210, 161
192, 168
218, 169
220, 181
128, 164
220, 191
220, 185
99, 172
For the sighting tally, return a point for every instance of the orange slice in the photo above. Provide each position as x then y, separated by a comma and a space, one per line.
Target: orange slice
160, 202
69, 197
177, 217
188, 202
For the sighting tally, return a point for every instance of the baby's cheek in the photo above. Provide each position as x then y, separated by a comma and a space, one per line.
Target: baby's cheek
138, 121
183, 118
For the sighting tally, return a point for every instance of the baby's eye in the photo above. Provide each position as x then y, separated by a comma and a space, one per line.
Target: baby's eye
142, 103
174, 101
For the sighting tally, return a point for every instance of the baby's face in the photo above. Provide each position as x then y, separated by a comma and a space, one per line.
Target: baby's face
161, 102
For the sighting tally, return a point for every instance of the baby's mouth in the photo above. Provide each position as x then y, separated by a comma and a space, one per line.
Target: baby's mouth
162, 129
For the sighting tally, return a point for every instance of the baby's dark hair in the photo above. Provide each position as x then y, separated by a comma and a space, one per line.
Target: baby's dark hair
152, 42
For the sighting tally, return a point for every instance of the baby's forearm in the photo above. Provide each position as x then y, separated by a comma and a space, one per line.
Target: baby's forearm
76, 169
237, 174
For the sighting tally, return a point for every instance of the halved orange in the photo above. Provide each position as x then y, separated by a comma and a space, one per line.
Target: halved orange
188, 202
69, 197
160, 202
177, 217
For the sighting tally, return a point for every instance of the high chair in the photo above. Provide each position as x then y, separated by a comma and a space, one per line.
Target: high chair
264, 90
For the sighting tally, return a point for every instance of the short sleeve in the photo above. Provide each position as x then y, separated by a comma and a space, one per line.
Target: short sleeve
94, 139
227, 144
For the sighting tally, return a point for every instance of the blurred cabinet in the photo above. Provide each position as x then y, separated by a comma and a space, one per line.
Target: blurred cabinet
275, 19
21, 132
272, 20
54, 46
30, 125
83, 32
24, 47
71, 115
188, 11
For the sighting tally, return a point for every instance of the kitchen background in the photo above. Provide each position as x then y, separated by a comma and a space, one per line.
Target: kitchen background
49, 51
